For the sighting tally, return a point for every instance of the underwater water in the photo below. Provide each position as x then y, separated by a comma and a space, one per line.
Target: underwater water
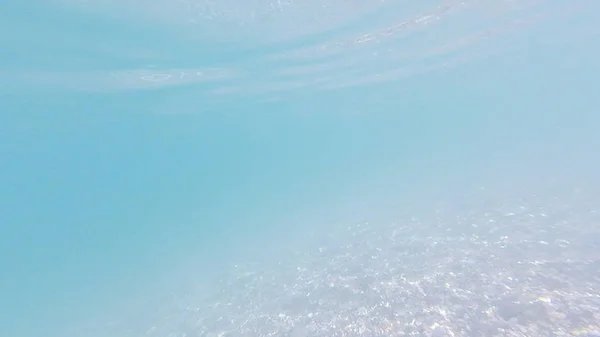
201, 168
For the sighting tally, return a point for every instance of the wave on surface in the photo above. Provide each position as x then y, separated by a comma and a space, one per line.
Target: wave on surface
287, 46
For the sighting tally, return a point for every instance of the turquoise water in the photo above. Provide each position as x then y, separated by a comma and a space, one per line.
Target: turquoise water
140, 138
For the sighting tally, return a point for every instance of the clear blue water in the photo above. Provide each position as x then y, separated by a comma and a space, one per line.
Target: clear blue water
139, 137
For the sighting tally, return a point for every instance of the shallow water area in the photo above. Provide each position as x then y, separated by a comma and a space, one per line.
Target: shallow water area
299, 168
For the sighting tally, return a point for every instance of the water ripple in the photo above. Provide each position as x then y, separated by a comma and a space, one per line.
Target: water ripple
326, 45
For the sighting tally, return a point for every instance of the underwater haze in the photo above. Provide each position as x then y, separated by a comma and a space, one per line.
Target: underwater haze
299, 168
